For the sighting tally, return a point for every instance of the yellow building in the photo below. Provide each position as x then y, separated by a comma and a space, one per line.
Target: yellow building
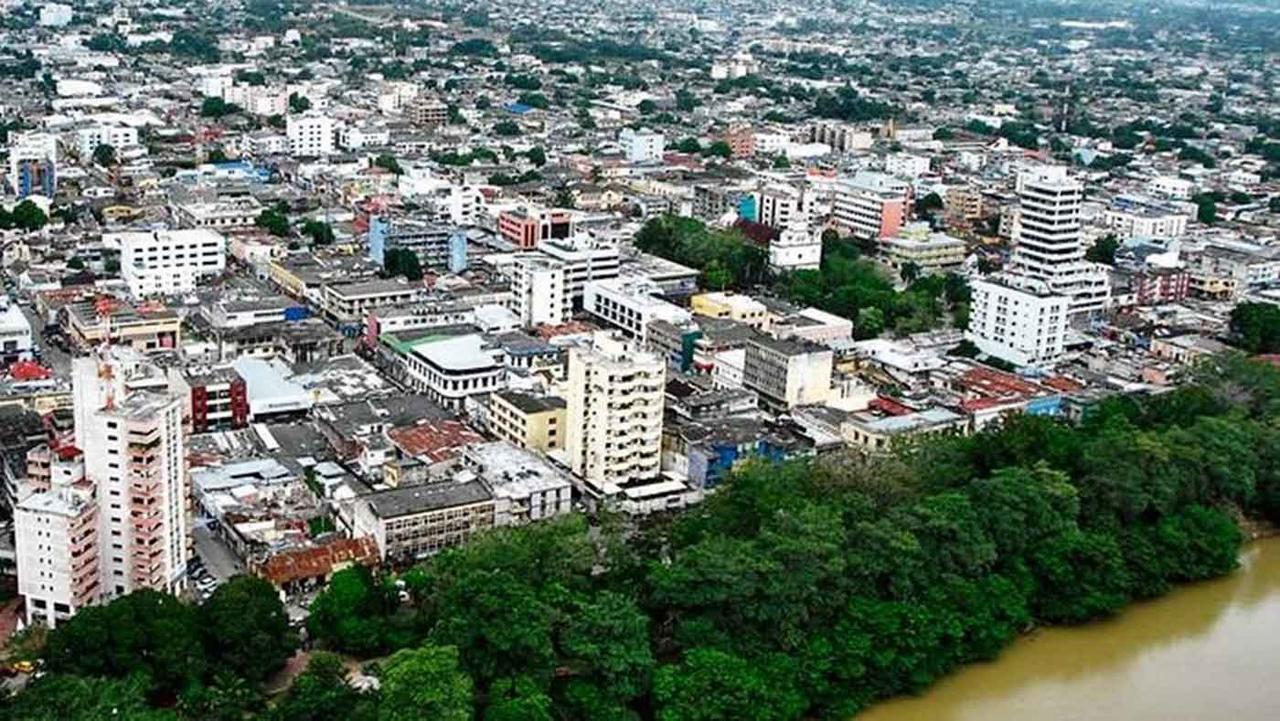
741, 308
531, 422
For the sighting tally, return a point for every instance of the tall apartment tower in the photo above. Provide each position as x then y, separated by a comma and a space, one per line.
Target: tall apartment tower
615, 398
1021, 315
56, 537
129, 426
1047, 241
108, 514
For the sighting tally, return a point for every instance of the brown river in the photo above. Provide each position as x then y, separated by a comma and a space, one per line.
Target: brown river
1206, 652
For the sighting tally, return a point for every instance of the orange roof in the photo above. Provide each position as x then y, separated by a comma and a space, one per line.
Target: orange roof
992, 382
434, 440
318, 561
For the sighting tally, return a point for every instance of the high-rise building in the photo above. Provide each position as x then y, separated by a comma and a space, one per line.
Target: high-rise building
539, 295
1047, 239
615, 397
56, 539
129, 426
1019, 322
641, 146
109, 514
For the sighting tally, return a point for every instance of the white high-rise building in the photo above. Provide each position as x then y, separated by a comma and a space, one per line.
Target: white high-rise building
311, 135
168, 262
1047, 239
1022, 323
56, 537
539, 295
109, 514
615, 394
129, 426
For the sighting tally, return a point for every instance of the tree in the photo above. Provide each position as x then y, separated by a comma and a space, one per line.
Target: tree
402, 262
28, 216
909, 272
537, 156
718, 149
76, 263
1103, 250
647, 107
215, 107
1207, 211
299, 103
711, 685
353, 613
388, 162
689, 145
870, 323
58, 697
780, 162
320, 232
607, 644
506, 128
273, 221
425, 683
321, 692
246, 628
145, 632
1255, 327
929, 204
104, 155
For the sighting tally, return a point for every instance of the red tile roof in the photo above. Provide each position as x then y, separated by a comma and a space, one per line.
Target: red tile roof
319, 561
434, 441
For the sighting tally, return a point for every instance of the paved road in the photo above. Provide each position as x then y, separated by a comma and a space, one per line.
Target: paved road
219, 559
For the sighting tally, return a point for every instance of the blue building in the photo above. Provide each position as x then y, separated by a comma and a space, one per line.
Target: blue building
458, 251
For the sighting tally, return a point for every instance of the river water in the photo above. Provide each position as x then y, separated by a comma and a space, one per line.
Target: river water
1206, 652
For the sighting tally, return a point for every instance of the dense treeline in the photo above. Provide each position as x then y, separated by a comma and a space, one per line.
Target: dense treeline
818, 587
148, 649
808, 588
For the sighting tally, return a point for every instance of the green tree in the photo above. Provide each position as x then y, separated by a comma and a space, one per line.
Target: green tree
1103, 250
215, 107
506, 129
930, 203
104, 155
689, 145
320, 232
274, 222
388, 162
28, 216
321, 692
647, 107
299, 103
58, 697
537, 156
711, 685
870, 323
1255, 327
246, 629
910, 272
145, 632
718, 149
425, 683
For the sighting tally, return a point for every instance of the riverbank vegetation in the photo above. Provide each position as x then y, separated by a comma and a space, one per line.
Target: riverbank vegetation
807, 588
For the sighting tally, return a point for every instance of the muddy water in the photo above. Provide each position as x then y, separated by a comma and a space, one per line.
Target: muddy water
1206, 652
